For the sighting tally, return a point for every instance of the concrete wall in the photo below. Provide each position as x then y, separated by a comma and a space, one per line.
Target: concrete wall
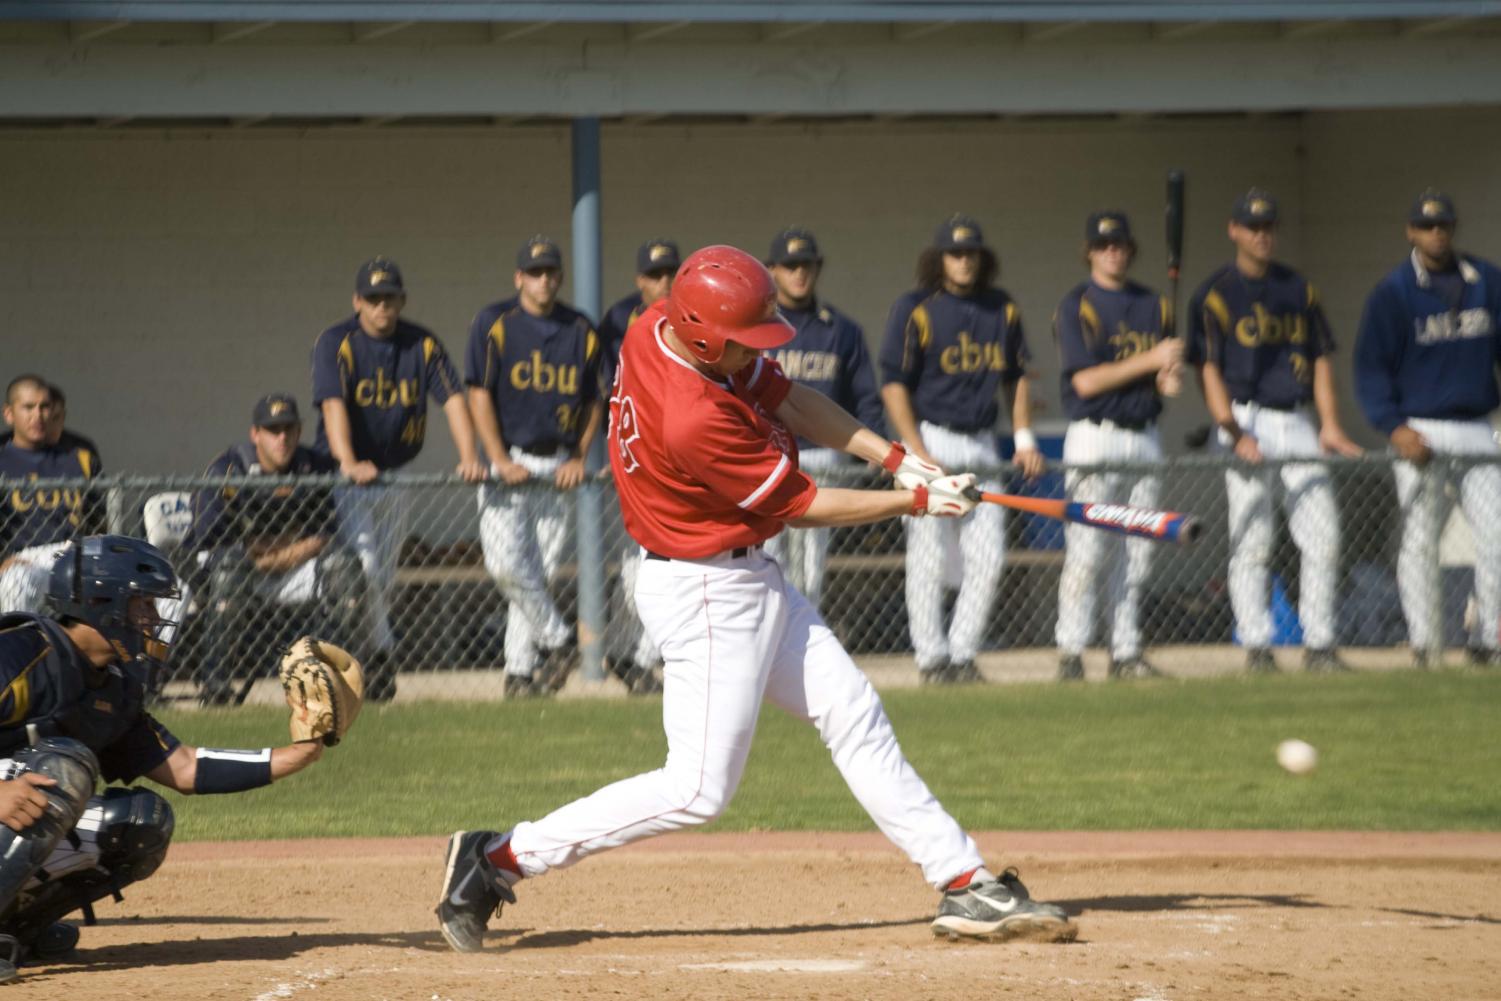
167, 279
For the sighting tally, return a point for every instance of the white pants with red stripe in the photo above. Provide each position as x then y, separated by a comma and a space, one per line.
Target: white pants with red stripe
1312, 518
968, 553
1427, 498
1126, 561
733, 634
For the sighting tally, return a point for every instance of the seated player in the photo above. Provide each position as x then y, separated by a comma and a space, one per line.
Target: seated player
73, 689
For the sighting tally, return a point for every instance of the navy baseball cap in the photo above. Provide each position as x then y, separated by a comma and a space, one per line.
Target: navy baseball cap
1109, 227
379, 276
275, 410
1254, 208
1432, 208
959, 232
794, 245
538, 252
658, 255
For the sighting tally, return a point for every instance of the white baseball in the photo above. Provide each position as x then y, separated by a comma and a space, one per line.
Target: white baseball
1297, 756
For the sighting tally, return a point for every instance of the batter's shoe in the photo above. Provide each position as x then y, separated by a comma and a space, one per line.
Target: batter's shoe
1259, 660
1132, 668
1071, 667
1324, 662
1000, 909
473, 889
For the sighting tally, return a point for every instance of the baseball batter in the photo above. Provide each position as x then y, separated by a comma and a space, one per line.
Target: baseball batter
702, 444
1118, 356
1263, 349
35, 521
1425, 375
372, 375
533, 374
828, 354
950, 346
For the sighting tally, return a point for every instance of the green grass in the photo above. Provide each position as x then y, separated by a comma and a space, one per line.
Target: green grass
1399, 751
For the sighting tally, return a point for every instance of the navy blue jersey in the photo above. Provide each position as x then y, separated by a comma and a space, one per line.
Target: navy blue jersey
618, 319
279, 513
1428, 344
45, 680
828, 354
542, 372
67, 441
385, 385
953, 353
1264, 334
33, 516
1096, 326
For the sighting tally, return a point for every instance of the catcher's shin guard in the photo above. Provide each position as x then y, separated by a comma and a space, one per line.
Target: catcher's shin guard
126, 841
75, 770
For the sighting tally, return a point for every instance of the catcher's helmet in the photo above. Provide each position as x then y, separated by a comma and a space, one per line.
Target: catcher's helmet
111, 582
723, 294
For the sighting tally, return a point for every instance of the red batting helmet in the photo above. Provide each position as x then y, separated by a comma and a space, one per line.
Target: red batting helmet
723, 294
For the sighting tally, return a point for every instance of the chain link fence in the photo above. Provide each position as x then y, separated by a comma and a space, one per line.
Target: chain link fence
456, 586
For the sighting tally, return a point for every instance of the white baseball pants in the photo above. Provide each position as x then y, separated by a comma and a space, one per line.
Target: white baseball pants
1426, 500
1312, 517
733, 633
522, 532
804, 552
373, 524
968, 553
23, 582
1087, 549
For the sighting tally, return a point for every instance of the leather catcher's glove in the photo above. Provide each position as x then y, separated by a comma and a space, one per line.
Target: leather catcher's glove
325, 689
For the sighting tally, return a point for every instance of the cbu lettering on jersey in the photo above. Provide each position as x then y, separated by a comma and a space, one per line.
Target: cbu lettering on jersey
953, 353
1097, 326
828, 354
542, 372
35, 516
1424, 353
385, 385
1264, 335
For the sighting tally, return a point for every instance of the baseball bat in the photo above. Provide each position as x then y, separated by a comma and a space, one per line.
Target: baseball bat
1174, 232
1144, 522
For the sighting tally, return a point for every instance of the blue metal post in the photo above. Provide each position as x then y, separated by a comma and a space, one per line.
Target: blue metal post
588, 299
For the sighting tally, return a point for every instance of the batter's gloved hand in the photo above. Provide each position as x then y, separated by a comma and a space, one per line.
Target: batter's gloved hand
325, 689
907, 468
947, 496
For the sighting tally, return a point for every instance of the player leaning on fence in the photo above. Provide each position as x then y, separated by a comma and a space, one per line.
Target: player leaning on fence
533, 368
373, 373
1425, 374
1118, 356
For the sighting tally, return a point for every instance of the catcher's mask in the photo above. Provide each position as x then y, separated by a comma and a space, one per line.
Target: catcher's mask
116, 584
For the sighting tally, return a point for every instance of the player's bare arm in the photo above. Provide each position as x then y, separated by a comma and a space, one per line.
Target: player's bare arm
571, 473
336, 427
1332, 437
1217, 401
898, 401
462, 431
280, 555
1112, 375
810, 414
1019, 400
487, 424
180, 771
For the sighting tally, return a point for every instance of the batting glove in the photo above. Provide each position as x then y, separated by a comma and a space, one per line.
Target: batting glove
947, 496
909, 470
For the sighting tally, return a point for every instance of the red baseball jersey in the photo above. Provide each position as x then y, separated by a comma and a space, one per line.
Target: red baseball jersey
700, 463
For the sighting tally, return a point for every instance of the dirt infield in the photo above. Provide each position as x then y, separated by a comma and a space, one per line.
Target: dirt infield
719, 917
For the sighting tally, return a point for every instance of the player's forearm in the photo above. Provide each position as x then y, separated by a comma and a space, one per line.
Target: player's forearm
1112, 375
280, 557
1019, 402
1217, 398
460, 427
899, 411
591, 429
487, 425
834, 507
811, 415
293, 758
1324, 399
336, 429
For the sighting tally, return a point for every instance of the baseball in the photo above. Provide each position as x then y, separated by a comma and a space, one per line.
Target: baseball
1297, 756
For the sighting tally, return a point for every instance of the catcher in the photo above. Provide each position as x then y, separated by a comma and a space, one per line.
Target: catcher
73, 690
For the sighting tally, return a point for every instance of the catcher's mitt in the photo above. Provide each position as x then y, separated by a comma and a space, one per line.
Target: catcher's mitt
325, 689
